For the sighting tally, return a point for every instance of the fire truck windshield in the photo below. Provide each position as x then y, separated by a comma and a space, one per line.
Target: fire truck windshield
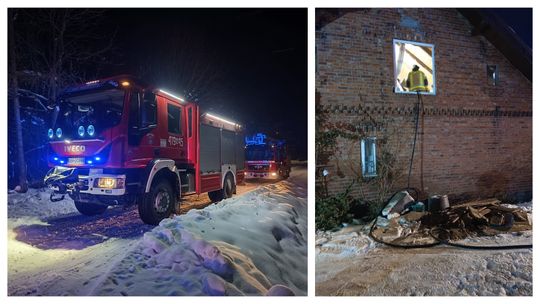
259, 152
101, 109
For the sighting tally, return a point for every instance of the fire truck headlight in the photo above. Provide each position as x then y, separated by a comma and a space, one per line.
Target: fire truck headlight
274, 174
109, 182
59, 132
50, 133
90, 130
81, 131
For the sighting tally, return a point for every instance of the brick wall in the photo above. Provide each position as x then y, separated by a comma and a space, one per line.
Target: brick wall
474, 139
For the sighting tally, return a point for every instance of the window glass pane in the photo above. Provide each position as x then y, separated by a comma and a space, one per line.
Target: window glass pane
493, 74
414, 67
173, 114
190, 122
134, 110
149, 110
369, 157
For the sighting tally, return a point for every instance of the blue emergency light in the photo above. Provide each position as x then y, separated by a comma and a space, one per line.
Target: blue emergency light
257, 139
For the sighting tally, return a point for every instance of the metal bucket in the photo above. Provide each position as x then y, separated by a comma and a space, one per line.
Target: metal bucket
437, 203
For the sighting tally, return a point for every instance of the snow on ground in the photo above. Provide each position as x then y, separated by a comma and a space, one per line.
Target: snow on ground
54, 250
348, 263
254, 243
240, 246
36, 203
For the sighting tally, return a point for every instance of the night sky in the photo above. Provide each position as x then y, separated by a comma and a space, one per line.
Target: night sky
520, 20
253, 62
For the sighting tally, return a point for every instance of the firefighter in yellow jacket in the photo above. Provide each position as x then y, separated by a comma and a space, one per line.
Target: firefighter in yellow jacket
417, 80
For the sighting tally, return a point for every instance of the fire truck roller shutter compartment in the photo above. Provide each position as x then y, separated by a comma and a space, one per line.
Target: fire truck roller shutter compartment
210, 149
228, 159
210, 162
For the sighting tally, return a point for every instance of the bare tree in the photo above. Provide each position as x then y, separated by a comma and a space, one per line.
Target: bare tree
48, 50
62, 47
23, 185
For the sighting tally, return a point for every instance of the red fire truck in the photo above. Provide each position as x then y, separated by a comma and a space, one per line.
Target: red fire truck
119, 141
266, 158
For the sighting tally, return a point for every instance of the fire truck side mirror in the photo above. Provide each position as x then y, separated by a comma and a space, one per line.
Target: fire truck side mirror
147, 128
140, 131
137, 133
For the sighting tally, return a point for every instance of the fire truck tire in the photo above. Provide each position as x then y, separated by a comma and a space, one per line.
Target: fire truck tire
157, 204
224, 193
90, 208
228, 186
284, 174
216, 196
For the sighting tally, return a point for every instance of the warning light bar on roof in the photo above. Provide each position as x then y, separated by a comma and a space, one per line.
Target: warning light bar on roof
257, 139
223, 120
172, 95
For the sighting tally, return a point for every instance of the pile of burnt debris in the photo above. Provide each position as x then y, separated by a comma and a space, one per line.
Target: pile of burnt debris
405, 222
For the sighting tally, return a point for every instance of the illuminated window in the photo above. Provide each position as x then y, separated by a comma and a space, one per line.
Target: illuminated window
369, 156
414, 67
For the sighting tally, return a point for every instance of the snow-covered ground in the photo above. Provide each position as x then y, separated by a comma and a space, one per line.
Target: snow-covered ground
349, 262
35, 203
252, 244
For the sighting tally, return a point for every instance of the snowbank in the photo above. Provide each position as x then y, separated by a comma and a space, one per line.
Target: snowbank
36, 203
254, 244
349, 241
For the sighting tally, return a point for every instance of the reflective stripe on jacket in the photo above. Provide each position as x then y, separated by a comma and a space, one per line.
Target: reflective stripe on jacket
417, 81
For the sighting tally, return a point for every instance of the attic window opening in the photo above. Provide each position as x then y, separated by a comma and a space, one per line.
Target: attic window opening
414, 67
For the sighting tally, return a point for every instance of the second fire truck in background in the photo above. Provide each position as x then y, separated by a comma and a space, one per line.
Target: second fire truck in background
266, 158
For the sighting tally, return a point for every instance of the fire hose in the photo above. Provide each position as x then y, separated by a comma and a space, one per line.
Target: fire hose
437, 237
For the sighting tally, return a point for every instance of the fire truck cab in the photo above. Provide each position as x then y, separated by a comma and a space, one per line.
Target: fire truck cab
119, 141
266, 158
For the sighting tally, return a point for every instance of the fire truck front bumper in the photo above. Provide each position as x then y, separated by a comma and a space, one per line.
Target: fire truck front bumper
263, 175
103, 184
64, 180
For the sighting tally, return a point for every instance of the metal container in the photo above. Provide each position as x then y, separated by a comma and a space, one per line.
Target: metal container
437, 203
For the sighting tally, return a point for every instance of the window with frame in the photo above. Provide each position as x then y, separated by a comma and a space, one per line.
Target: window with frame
173, 119
148, 110
369, 156
190, 122
493, 74
414, 67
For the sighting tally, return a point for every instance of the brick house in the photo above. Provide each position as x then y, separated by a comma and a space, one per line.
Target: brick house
475, 124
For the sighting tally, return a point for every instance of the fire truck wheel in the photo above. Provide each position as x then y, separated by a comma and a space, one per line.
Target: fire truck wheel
228, 186
90, 208
158, 203
224, 193
216, 196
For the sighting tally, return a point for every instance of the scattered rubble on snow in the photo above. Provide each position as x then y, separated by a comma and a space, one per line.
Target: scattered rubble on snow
341, 256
